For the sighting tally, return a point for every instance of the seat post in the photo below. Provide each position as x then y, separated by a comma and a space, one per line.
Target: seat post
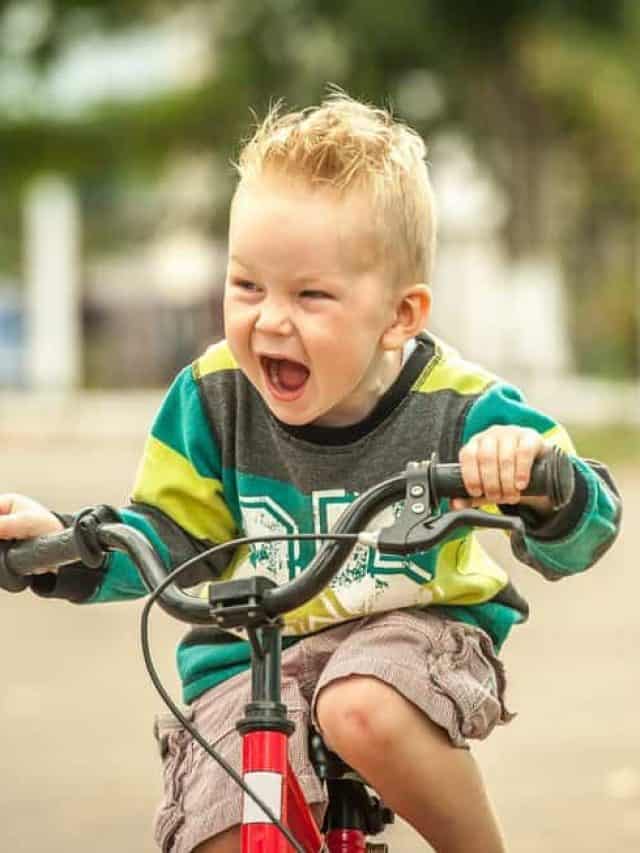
265, 663
265, 711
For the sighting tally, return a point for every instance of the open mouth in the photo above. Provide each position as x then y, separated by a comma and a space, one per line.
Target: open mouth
286, 379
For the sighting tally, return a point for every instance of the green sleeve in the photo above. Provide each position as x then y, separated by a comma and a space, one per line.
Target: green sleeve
578, 534
177, 499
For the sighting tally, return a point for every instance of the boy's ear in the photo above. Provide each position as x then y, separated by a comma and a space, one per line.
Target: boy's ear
412, 310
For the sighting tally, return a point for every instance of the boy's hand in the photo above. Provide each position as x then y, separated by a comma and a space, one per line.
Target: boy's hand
23, 518
496, 466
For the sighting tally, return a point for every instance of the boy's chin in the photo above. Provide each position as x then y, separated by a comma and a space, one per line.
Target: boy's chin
287, 415
319, 419
291, 419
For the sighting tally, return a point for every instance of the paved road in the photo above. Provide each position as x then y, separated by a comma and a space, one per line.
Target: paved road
79, 770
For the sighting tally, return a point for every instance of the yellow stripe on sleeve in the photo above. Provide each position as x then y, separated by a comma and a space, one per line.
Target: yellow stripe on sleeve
217, 357
466, 574
558, 436
168, 481
447, 371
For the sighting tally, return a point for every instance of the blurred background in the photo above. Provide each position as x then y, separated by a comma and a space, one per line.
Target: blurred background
118, 124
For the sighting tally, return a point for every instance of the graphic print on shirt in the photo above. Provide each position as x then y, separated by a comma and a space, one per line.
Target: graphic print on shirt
368, 582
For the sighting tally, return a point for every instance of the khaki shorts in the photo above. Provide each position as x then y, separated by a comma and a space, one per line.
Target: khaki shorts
447, 668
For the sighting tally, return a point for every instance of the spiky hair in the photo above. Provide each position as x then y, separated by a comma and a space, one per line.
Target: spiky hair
346, 145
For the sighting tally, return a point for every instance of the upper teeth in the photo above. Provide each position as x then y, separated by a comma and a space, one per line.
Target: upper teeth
273, 372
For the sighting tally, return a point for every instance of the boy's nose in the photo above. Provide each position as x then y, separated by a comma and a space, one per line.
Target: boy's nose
273, 317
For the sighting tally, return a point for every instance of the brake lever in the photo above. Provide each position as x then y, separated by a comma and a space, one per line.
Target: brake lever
427, 532
420, 525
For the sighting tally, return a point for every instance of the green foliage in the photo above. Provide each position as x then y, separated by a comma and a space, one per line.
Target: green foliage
589, 79
292, 48
613, 444
605, 308
524, 78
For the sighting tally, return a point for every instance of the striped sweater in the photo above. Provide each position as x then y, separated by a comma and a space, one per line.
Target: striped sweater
217, 465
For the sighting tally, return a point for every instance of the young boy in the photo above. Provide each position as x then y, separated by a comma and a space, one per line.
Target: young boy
326, 384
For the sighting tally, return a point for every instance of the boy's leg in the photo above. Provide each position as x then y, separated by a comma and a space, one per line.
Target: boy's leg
410, 762
201, 808
226, 842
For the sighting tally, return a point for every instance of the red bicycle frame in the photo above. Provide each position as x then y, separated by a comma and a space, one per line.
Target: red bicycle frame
267, 770
265, 731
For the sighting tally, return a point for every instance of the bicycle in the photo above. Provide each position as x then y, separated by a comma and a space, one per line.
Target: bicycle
276, 817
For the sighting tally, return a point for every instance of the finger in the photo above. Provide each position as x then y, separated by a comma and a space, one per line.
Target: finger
507, 452
530, 444
469, 469
461, 503
489, 467
6, 504
22, 525
464, 503
479, 502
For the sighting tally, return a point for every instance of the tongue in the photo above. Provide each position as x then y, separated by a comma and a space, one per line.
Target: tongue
292, 375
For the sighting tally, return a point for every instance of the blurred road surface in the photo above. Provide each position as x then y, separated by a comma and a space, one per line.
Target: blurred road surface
79, 766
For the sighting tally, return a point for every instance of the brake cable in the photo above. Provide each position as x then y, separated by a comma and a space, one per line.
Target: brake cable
153, 597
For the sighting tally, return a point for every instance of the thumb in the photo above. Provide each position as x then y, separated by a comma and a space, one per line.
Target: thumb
6, 504
20, 525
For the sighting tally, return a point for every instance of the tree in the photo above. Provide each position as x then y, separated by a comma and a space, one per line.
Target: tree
546, 91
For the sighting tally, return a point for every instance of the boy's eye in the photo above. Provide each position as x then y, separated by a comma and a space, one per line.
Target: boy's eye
248, 286
315, 294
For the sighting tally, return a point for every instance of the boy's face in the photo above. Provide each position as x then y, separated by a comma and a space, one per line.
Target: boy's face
307, 302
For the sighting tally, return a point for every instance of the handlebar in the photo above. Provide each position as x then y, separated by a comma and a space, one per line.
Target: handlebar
418, 528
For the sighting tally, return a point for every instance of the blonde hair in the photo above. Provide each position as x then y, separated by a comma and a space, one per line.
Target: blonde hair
345, 145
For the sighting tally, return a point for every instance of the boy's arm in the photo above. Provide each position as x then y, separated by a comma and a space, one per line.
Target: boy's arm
573, 538
177, 502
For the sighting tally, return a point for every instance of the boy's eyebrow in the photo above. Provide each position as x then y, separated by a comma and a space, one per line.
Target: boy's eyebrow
311, 278
236, 260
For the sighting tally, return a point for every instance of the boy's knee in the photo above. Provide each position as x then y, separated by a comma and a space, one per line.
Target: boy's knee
356, 714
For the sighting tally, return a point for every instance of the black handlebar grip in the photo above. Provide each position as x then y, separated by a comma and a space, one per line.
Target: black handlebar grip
8, 579
26, 557
552, 476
